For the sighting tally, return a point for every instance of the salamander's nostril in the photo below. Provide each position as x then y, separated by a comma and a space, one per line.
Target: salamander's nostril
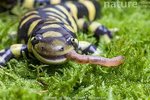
42, 48
62, 49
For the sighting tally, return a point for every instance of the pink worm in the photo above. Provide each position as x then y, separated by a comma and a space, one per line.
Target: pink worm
108, 62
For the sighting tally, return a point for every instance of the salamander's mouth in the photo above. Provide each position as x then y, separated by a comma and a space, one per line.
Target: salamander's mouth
54, 57
50, 59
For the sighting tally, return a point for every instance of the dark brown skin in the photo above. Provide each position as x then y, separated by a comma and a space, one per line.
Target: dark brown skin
84, 59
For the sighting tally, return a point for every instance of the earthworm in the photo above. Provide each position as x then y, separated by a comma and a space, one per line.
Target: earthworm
107, 62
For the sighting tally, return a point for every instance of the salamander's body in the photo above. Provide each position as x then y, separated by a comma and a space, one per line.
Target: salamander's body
50, 35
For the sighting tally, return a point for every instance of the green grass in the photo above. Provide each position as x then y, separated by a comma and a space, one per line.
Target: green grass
25, 79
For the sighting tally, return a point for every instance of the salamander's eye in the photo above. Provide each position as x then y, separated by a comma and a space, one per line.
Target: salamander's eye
35, 39
74, 42
61, 49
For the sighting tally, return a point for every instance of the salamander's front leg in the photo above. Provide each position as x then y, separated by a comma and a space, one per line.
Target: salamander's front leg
88, 48
16, 50
97, 29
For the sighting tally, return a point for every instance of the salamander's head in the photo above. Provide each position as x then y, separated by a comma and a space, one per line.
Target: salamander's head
52, 49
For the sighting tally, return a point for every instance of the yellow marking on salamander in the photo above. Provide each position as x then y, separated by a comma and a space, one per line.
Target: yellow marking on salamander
69, 28
32, 26
54, 10
1, 51
31, 12
16, 49
51, 26
91, 9
28, 18
73, 9
69, 17
57, 16
81, 23
48, 61
55, 1
51, 34
28, 3
93, 26
53, 21
57, 26
29, 45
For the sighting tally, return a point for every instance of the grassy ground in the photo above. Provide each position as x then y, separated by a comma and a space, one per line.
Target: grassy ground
25, 79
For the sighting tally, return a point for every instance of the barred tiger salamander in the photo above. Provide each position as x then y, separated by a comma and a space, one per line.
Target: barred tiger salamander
49, 34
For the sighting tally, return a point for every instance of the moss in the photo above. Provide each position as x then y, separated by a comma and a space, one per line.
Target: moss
25, 79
